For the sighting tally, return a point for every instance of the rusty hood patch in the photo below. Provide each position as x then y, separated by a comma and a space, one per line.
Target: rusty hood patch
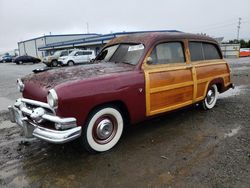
51, 78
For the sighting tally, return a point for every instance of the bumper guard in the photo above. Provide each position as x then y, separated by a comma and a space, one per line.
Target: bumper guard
19, 114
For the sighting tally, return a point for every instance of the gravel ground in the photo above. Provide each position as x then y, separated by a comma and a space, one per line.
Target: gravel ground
187, 148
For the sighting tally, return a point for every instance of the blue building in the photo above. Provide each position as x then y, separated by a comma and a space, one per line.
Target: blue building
48, 44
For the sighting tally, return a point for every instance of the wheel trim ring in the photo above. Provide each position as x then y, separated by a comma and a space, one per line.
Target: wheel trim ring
210, 96
111, 136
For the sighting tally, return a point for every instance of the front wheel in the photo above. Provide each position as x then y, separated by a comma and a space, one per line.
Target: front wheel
54, 63
103, 130
211, 98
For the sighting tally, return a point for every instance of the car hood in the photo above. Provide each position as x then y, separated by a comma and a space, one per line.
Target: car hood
54, 77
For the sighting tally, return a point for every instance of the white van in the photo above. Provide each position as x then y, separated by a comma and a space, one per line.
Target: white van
77, 56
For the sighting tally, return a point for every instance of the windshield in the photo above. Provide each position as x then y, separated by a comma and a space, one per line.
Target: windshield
57, 53
72, 53
122, 53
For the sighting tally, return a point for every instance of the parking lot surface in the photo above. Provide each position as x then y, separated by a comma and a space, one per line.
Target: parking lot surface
187, 148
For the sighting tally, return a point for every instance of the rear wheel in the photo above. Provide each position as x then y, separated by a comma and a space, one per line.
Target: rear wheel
211, 98
103, 130
70, 63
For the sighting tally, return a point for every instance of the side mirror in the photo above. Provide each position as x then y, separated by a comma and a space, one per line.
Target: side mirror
150, 61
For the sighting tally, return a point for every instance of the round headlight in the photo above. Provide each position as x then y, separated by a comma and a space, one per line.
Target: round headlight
52, 99
20, 85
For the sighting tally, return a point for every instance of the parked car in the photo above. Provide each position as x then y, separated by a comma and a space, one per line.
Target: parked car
6, 58
26, 59
76, 57
52, 61
132, 79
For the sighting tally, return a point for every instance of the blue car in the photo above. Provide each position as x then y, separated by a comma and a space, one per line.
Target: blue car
6, 58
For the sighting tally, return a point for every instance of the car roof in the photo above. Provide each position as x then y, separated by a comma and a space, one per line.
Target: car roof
146, 38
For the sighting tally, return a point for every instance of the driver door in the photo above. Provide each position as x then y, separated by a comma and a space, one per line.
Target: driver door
169, 78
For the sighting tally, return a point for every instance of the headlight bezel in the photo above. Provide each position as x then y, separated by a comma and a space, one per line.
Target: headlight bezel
52, 99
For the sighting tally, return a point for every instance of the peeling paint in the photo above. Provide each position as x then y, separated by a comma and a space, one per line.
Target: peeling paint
51, 78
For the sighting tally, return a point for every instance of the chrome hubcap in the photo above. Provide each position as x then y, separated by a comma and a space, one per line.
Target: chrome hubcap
104, 129
210, 96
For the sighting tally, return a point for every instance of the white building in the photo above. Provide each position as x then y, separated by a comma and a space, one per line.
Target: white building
30, 47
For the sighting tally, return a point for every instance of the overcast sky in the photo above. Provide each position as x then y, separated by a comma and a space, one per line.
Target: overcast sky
25, 19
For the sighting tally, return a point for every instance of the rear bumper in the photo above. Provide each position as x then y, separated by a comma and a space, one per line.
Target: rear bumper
231, 85
23, 117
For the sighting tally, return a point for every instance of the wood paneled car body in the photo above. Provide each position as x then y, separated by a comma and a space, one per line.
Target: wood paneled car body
134, 77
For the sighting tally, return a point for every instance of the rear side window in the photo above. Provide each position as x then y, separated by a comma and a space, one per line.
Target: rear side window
167, 53
196, 51
211, 51
203, 51
79, 53
87, 53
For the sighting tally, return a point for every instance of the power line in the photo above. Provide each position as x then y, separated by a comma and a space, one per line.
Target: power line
228, 21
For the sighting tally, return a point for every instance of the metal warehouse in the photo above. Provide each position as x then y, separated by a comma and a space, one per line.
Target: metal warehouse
45, 45
31, 46
48, 44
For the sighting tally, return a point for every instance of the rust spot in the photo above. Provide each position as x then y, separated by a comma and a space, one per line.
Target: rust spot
51, 78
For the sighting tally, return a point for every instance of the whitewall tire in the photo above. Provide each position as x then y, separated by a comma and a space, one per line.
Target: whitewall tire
211, 98
103, 129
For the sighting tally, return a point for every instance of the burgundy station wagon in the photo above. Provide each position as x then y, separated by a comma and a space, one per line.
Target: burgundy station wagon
132, 78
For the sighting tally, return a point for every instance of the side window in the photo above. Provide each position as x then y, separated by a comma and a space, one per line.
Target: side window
211, 51
167, 53
196, 51
79, 53
203, 51
87, 53
64, 53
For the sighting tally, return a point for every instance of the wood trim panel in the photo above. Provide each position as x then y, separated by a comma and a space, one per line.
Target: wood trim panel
208, 63
172, 86
201, 74
171, 108
194, 74
165, 89
170, 98
212, 77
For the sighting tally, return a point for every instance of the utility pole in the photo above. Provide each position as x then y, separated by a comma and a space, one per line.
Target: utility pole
238, 29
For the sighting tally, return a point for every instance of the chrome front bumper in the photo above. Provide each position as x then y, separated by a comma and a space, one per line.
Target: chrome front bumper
26, 118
